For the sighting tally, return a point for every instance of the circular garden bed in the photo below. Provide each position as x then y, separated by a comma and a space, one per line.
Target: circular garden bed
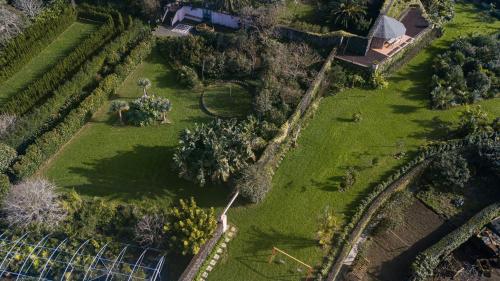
227, 99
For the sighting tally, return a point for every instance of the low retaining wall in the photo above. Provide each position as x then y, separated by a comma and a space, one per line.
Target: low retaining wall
197, 261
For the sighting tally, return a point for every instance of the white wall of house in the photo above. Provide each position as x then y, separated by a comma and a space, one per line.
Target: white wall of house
196, 14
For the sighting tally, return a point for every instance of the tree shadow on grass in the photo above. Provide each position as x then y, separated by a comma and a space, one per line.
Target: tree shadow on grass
250, 261
144, 172
260, 239
434, 129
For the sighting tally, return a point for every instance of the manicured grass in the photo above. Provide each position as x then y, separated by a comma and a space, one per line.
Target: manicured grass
47, 58
228, 100
308, 178
134, 164
298, 11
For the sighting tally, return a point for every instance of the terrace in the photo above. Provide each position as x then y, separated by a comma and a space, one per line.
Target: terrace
388, 37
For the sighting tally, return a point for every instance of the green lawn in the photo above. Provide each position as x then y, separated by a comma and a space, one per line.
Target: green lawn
47, 58
134, 163
228, 100
308, 177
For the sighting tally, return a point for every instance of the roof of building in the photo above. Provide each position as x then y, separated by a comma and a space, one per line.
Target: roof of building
387, 28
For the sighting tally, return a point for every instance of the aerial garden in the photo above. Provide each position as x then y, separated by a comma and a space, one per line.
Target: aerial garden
119, 150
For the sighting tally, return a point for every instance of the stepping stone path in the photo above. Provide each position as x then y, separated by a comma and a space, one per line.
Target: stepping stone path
219, 250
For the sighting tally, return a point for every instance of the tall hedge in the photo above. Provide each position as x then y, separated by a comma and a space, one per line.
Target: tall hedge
23, 101
22, 48
70, 93
427, 261
50, 142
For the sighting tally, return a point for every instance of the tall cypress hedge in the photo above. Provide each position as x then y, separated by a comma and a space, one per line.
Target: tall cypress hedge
71, 92
34, 94
22, 48
50, 142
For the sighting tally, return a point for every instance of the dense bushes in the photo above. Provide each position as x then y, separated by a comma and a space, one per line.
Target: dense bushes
4, 185
148, 110
71, 92
188, 227
467, 72
45, 28
41, 88
50, 142
448, 171
215, 151
427, 261
7, 156
254, 183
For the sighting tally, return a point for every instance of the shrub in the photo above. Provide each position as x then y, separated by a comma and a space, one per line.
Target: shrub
7, 123
253, 183
215, 151
187, 77
148, 110
4, 186
7, 156
349, 179
378, 81
189, 227
328, 225
149, 229
357, 117
338, 78
33, 203
473, 120
449, 170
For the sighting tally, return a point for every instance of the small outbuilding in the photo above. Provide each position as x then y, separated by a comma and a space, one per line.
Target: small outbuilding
387, 31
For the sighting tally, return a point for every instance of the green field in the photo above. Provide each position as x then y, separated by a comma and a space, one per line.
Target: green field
308, 178
47, 58
134, 163
228, 100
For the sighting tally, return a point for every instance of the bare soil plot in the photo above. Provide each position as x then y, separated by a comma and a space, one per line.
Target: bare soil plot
391, 253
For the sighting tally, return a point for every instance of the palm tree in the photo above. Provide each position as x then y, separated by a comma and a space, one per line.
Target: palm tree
119, 106
346, 12
144, 83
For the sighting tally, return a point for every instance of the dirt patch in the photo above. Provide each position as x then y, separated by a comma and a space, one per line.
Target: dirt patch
391, 253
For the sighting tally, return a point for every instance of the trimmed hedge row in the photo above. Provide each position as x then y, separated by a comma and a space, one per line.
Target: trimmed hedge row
46, 116
22, 102
49, 143
33, 39
427, 261
344, 241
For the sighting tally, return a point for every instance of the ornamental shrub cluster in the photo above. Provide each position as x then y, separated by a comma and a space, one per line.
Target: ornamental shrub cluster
148, 110
468, 72
46, 26
215, 151
47, 115
38, 90
449, 171
50, 142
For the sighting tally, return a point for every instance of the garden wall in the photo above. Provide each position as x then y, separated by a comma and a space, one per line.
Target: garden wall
197, 261
278, 146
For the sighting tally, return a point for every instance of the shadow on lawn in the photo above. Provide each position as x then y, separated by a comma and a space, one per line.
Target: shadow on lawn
141, 173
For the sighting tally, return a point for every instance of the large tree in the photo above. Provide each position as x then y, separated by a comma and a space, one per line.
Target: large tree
10, 24
33, 203
215, 151
30, 7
